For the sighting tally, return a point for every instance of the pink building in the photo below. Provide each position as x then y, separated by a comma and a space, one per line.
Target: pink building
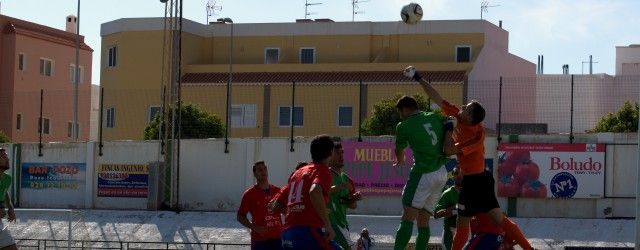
34, 57
519, 80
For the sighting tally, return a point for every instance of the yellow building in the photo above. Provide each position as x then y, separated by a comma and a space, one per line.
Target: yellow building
327, 61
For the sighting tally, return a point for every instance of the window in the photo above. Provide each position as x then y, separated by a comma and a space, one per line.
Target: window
307, 55
72, 73
243, 116
18, 121
271, 55
463, 54
45, 129
22, 62
70, 129
113, 56
345, 116
284, 116
46, 67
153, 111
111, 118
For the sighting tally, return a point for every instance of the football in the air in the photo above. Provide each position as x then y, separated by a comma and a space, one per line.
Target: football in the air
411, 13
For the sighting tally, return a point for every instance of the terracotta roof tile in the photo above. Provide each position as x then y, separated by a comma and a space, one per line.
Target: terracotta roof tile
319, 77
19, 26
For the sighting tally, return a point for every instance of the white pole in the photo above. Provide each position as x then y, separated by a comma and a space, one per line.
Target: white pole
637, 246
69, 232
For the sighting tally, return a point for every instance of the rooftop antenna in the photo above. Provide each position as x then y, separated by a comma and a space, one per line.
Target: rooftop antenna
355, 7
212, 7
484, 7
590, 62
306, 8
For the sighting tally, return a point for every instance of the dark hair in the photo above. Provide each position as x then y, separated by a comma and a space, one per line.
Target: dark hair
256, 165
477, 112
407, 102
301, 164
337, 145
321, 148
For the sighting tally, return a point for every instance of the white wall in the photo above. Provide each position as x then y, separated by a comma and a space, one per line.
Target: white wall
56, 153
214, 181
125, 152
594, 97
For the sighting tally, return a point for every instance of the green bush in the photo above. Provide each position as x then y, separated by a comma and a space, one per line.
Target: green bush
385, 117
196, 124
625, 120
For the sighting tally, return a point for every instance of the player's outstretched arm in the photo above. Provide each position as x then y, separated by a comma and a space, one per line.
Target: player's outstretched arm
426, 84
317, 200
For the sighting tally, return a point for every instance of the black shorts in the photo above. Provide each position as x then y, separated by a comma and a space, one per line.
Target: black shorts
477, 195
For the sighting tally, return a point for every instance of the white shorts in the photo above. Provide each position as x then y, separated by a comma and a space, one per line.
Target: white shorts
423, 191
5, 236
342, 234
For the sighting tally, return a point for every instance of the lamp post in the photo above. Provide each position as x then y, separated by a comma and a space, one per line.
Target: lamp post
228, 116
74, 126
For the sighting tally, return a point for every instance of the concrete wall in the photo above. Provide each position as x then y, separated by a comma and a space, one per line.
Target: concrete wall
214, 181
51, 197
128, 152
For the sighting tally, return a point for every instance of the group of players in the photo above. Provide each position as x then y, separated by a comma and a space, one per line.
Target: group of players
318, 194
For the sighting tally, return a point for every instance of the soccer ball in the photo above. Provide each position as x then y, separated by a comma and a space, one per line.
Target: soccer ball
411, 13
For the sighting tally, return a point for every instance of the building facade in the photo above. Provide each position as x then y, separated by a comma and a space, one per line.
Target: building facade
34, 59
340, 69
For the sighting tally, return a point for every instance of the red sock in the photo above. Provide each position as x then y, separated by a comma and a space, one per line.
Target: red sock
460, 237
514, 232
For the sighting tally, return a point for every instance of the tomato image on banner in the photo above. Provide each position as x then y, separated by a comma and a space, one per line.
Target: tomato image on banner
508, 187
551, 170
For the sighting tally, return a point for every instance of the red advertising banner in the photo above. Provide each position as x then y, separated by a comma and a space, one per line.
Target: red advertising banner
551, 170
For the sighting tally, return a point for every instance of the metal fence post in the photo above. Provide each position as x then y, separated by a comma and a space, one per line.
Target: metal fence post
571, 119
293, 102
499, 127
40, 124
100, 145
360, 97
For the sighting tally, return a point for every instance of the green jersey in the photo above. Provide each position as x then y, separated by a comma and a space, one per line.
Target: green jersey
424, 133
337, 206
449, 198
5, 184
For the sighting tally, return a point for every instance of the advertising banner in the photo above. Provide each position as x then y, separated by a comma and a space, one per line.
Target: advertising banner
551, 170
123, 180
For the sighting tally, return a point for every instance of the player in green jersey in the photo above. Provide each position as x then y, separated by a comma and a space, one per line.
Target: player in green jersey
424, 133
6, 241
446, 208
343, 195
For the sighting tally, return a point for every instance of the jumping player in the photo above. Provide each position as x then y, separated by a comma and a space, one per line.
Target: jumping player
477, 194
446, 209
6, 241
343, 195
424, 133
265, 225
306, 197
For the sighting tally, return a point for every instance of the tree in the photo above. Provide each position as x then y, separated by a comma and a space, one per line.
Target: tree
196, 124
385, 117
624, 120
4, 138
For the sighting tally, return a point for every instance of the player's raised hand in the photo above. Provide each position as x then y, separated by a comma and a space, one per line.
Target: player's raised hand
410, 72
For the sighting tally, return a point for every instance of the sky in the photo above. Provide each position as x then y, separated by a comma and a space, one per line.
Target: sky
564, 31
